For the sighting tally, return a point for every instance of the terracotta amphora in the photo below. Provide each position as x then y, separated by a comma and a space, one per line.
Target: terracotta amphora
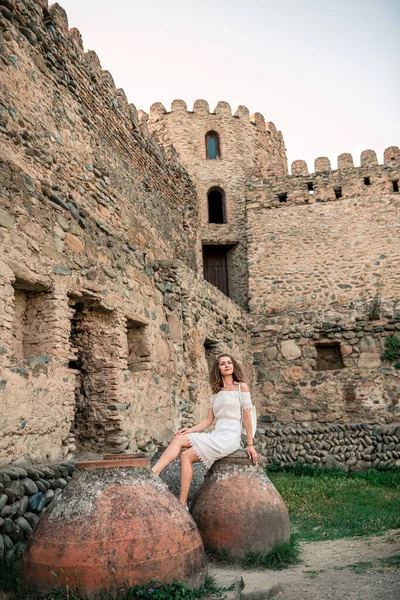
238, 510
114, 525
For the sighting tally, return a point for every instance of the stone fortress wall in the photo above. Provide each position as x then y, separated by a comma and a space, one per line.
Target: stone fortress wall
308, 248
109, 325
98, 227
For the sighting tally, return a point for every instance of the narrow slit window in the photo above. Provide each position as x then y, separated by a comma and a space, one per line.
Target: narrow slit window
338, 193
282, 197
367, 181
310, 187
395, 185
212, 145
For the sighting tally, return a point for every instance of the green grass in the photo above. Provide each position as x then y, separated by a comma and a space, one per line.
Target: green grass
10, 583
281, 556
312, 574
327, 505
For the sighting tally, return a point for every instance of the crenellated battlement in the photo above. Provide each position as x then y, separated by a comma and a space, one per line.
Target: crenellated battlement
202, 107
244, 138
368, 158
326, 184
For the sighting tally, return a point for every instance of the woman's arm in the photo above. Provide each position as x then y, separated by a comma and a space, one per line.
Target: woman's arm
201, 426
251, 451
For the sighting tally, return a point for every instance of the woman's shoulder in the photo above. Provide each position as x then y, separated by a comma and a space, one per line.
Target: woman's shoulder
243, 388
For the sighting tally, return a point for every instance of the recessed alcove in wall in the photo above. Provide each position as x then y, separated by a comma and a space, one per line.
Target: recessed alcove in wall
29, 322
139, 349
329, 356
93, 342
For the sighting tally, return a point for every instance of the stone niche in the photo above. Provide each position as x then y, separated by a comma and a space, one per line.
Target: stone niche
329, 356
139, 347
32, 310
95, 346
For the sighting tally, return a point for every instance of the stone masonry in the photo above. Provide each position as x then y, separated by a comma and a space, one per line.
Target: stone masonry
107, 324
104, 319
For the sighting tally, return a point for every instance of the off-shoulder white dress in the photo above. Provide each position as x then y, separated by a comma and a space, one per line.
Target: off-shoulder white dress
225, 438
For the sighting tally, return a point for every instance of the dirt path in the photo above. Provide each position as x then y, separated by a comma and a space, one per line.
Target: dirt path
348, 569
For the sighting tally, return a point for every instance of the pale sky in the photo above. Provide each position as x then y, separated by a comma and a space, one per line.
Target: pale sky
326, 72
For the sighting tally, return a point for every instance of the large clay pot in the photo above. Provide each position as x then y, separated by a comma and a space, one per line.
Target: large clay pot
115, 524
238, 510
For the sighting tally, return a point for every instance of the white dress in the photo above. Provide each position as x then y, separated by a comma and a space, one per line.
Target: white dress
226, 437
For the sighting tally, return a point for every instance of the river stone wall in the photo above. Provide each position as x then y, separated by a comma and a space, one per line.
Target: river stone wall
347, 446
24, 495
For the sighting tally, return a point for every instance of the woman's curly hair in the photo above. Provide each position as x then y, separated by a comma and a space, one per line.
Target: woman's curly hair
216, 380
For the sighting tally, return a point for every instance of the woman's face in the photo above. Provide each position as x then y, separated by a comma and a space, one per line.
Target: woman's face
225, 365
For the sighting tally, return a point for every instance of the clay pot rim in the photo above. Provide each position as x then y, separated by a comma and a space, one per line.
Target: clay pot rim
106, 463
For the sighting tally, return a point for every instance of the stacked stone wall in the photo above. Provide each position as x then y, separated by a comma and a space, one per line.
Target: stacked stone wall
350, 446
328, 252
24, 495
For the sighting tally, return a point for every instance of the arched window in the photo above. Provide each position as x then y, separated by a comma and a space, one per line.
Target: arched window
216, 206
212, 145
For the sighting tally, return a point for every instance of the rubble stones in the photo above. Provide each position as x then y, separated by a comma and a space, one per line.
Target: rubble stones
19, 518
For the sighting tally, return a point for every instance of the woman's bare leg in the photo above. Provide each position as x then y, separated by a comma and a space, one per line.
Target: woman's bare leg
171, 453
188, 457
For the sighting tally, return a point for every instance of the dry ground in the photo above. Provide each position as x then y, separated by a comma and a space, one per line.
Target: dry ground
345, 569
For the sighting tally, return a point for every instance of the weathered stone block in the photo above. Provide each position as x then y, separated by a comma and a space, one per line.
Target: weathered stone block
290, 350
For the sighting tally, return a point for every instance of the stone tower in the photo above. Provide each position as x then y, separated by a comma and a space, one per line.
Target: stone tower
221, 151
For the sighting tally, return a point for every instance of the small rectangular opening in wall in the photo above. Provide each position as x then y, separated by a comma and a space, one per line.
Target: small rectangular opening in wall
329, 357
310, 187
30, 331
282, 197
338, 192
395, 185
367, 181
139, 350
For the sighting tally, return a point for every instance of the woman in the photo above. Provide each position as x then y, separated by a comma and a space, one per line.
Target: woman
230, 404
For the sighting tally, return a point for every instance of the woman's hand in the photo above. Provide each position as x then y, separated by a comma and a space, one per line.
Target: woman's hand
182, 431
251, 453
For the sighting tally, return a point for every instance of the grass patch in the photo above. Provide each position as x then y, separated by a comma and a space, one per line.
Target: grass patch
281, 556
312, 574
379, 565
331, 504
10, 583
361, 566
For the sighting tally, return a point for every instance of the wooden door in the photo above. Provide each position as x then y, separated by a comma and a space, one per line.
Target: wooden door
216, 269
